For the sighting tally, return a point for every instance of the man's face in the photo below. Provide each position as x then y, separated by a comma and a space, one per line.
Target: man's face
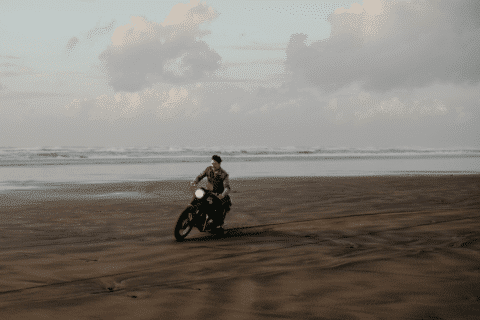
215, 165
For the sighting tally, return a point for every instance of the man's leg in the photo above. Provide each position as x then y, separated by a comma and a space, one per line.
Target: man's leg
217, 215
226, 203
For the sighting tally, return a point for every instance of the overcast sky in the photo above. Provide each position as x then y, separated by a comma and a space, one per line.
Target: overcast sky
372, 73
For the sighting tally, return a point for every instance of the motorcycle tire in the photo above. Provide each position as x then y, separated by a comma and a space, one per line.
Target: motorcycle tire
183, 225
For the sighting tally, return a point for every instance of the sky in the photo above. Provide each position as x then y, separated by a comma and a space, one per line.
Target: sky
371, 73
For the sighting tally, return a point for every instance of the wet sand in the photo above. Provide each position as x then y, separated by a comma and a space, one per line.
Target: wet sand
295, 248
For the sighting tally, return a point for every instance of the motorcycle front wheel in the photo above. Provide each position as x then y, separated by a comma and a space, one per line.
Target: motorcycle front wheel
183, 226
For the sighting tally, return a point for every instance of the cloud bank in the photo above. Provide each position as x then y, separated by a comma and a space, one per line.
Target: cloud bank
143, 52
160, 102
391, 73
386, 45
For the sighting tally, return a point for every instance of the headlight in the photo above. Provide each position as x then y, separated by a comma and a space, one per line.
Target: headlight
199, 193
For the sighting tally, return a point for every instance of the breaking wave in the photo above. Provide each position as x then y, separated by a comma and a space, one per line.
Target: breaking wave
11, 155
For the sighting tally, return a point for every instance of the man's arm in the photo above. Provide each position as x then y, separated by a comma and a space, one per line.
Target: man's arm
226, 186
200, 177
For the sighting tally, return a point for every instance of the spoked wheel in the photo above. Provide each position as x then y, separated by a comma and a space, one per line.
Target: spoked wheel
183, 226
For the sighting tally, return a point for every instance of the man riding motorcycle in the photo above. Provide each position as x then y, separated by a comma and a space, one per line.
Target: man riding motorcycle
218, 183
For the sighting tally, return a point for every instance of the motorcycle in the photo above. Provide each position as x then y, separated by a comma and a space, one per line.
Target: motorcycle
198, 214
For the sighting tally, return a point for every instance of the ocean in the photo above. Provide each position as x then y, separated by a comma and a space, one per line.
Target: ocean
30, 168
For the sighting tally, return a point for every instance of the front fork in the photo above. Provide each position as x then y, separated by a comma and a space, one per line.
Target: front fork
193, 214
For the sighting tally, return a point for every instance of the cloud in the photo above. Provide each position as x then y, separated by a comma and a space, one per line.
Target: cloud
167, 102
7, 64
9, 57
240, 99
143, 52
1, 87
365, 107
8, 69
16, 96
268, 72
72, 43
425, 106
186, 18
385, 45
163, 102
9, 74
261, 46
98, 31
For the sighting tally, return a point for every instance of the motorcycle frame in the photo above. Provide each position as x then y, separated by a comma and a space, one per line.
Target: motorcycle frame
202, 207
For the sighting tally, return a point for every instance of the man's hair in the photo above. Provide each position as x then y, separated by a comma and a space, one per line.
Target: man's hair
217, 158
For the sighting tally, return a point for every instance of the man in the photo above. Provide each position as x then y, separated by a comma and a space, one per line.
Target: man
218, 183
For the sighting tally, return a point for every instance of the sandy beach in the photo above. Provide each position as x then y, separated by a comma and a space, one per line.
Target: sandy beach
397, 247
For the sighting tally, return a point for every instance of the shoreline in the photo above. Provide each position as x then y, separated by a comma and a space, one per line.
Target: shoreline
55, 175
378, 247
37, 185
164, 191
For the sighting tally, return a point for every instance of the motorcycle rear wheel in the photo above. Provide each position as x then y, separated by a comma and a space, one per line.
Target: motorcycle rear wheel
183, 226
